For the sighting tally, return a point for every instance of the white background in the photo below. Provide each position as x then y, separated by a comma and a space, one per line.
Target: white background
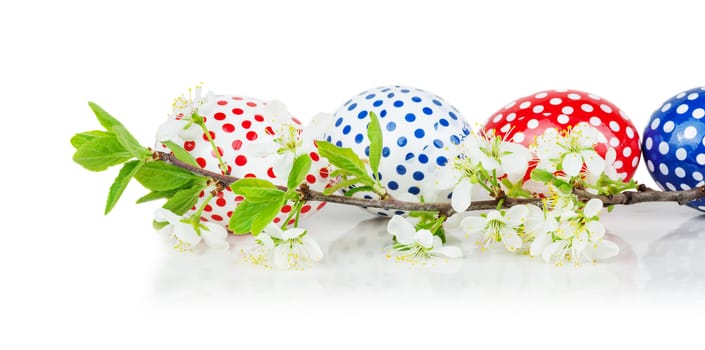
70, 276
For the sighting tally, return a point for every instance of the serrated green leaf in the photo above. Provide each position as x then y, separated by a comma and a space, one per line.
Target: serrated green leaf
123, 136
160, 176
81, 138
374, 133
541, 175
180, 153
121, 181
302, 164
184, 200
241, 184
253, 217
101, 153
343, 158
154, 195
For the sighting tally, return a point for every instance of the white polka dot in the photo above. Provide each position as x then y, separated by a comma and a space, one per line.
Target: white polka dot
624, 116
701, 207
650, 165
702, 88
663, 168
511, 117
663, 148
655, 123
563, 119
505, 128
680, 95
595, 121
666, 107
627, 152
685, 187
693, 96
668, 126
587, 108
698, 113
618, 164
614, 142
635, 161
648, 143
594, 97
537, 109
700, 159
679, 172
560, 90
697, 176
703, 141
567, 110
518, 137
682, 109
670, 186
573, 96
532, 124
690, 132
614, 126
525, 105
681, 153
541, 95
510, 105
497, 118
699, 184
630, 132
605, 108
555, 101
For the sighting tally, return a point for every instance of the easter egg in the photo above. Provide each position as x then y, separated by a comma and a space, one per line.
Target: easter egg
524, 119
420, 132
240, 125
674, 143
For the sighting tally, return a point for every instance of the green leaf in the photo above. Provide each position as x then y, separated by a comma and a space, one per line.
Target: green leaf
541, 175
80, 139
244, 184
154, 195
121, 181
374, 133
124, 137
302, 164
253, 217
354, 190
101, 153
346, 183
343, 158
184, 200
160, 176
180, 153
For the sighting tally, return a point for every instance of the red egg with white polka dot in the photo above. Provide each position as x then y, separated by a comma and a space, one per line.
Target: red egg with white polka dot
239, 126
523, 120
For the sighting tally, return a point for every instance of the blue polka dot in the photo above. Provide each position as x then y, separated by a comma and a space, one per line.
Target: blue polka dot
390, 95
414, 190
391, 126
385, 152
383, 113
409, 156
382, 213
437, 103
367, 196
416, 99
377, 103
346, 129
418, 176
370, 96
379, 176
410, 117
443, 122
427, 111
406, 91
438, 143
419, 133
393, 185
329, 138
339, 143
398, 103
466, 131
338, 122
455, 140
359, 138
362, 114
401, 142
399, 212
352, 106
386, 89
423, 159
442, 161
401, 170
452, 116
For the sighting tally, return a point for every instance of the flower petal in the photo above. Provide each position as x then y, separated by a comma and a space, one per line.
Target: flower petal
572, 163
461, 198
283, 163
424, 238
596, 229
265, 240
593, 161
292, 233
273, 230
592, 208
215, 236
539, 244
312, 248
166, 215
404, 231
550, 252
314, 130
473, 224
448, 251
277, 112
184, 232
281, 256
510, 238
602, 250
516, 215
262, 149
169, 130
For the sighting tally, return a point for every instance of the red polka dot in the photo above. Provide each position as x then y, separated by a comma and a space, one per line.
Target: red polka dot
227, 127
200, 195
229, 213
286, 209
222, 103
237, 98
246, 124
230, 171
292, 221
251, 104
240, 160
238, 111
220, 150
208, 208
310, 178
219, 116
269, 131
323, 172
189, 145
296, 120
250, 176
276, 220
203, 219
221, 202
201, 162
205, 137
237, 144
270, 173
323, 204
252, 136
239, 198
259, 118
305, 209
216, 217
314, 156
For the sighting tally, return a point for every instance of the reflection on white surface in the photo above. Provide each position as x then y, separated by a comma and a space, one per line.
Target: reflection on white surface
651, 262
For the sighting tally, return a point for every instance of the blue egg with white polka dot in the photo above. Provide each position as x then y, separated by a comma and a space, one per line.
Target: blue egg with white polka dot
421, 133
674, 143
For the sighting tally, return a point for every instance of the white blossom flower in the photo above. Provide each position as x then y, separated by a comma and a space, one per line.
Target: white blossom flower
414, 246
285, 249
180, 126
570, 151
496, 226
497, 155
188, 237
